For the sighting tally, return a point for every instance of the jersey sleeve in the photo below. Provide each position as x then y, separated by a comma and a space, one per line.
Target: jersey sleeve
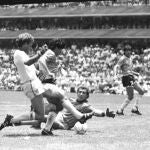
18, 58
87, 108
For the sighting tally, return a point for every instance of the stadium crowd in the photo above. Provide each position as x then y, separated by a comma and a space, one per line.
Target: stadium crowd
79, 23
91, 66
81, 4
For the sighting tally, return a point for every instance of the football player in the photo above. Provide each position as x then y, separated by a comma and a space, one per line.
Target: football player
125, 65
65, 120
35, 90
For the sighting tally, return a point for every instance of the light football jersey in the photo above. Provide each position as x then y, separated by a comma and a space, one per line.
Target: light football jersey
26, 72
125, 65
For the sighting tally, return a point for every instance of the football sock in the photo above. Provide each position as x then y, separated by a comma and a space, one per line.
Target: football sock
50, 120
125, 104
138, 98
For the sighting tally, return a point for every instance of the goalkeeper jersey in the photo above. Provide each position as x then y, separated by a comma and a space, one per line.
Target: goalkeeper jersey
83, 107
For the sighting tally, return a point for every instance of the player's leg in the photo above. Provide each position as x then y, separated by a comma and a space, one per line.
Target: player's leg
30, 118
68, 105
33, 90
135, 108
59, 122
48, 126
38, 113
56, 96
130, 94
48, 108
58, 125
37, 88
38, 107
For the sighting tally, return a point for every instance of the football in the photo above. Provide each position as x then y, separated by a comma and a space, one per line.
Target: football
80, 128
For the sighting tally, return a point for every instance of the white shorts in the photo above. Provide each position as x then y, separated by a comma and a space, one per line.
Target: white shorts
33, 88
53, 88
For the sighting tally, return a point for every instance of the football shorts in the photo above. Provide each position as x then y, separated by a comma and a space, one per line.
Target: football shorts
33, 88
128, 80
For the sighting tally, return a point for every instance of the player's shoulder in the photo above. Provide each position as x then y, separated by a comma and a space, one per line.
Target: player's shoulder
49, 53
18, 53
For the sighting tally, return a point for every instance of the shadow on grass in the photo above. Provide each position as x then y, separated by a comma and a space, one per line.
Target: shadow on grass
27, 135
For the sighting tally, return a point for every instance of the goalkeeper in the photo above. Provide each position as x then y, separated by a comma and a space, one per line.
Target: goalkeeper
65, 120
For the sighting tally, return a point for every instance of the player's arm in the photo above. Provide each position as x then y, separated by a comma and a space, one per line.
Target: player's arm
34, 58
100, 113
135, 73
97, 112
116, 68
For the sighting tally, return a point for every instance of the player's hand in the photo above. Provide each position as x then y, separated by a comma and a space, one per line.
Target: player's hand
41, 75
110, 113
42, 50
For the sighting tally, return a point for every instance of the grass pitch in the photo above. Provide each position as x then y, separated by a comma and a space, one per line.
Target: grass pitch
129, 132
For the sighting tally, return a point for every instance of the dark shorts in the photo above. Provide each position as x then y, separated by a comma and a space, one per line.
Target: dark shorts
128, 80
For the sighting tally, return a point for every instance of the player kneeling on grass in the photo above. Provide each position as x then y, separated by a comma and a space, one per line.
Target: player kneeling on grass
65, 120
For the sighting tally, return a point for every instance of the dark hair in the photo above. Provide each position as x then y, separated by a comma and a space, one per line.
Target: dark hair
85, 88
24, 38
56, 43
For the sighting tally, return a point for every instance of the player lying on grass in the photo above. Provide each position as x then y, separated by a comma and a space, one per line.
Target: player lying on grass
35, 90
125, 65
65, 120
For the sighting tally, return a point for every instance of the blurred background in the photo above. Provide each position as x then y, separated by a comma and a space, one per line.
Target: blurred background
95, 35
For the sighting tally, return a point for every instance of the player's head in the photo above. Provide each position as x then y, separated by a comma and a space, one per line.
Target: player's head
127, 50
82, 94
25, 41
56, 45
